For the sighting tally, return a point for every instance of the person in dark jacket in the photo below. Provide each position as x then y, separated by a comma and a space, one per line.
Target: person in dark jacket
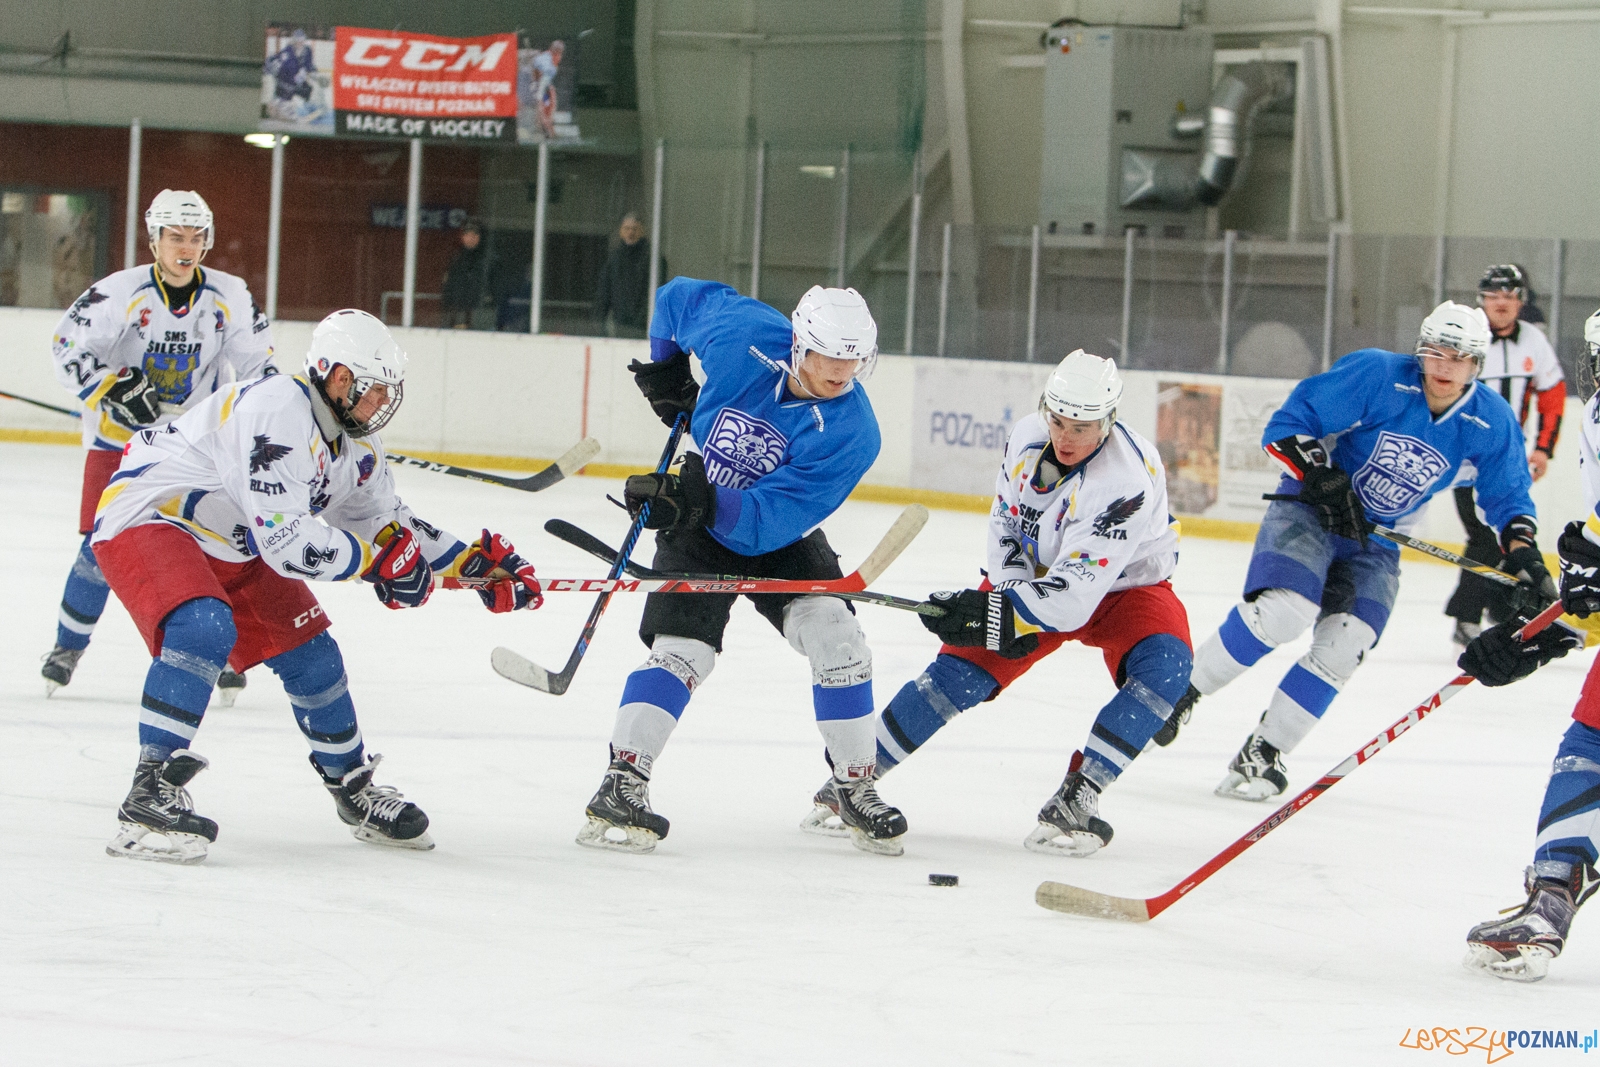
464, 279
625, 281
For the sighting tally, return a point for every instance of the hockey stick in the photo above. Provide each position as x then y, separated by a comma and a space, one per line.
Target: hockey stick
523, 671
42, 404
574, 458
1076, 901
690, 583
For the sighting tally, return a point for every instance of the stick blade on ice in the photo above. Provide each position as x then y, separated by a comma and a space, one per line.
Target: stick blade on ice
516, 668
1074, 901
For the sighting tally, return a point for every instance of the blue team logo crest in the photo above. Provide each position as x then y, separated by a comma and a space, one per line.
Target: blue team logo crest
742, 448
1396, 476
172, 375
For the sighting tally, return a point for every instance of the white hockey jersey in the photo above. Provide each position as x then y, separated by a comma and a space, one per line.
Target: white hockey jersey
123, 320
1059, 548
263, 468
1589, 467
1520, 365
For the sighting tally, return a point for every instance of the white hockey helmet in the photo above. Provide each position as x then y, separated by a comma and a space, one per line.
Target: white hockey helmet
834, 322
1459, 327
1085, 388
362, 344
179, 207
1591, 335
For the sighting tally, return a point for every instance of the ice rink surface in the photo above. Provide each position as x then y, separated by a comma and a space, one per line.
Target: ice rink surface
743, 940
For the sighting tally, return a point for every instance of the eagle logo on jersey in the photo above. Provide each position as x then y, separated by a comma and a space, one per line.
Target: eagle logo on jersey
1397, 474
265, 453
740, 449
83, 303
1107, 524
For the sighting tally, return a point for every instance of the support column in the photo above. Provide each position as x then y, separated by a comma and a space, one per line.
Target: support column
540, 202
842, 253
944, 287
755, 229
1328, 299
130, 240
1127, 295
275, 224
1228, 239
408, 299
1033, 293
655, 231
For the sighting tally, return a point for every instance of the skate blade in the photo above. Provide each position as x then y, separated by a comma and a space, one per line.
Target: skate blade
133, 842
422, 842
50, 688
226, 697
1240, 787
825, 822
878, 846
596, 833
1054, 841
1531, 964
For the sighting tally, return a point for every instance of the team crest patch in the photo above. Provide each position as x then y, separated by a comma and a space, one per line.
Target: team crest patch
1397, 474
265, 453
741, 449
1108, 523
364, 469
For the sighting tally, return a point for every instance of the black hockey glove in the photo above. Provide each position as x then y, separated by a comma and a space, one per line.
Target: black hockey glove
976, 619
132, 401
1580, 571
1495, 657
681, 501
1537, 590
668, 386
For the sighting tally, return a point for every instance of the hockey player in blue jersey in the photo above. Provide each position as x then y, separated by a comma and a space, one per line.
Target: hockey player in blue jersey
1369, 441
784, 432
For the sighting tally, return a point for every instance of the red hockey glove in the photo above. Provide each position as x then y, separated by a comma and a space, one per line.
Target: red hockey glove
518, 588
399, 573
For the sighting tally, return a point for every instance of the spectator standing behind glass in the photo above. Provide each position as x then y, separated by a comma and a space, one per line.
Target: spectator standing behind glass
624, 280
464, 279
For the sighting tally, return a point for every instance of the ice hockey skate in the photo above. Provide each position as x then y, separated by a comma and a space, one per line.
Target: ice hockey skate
59, 663
1069, 822
230, 684
1181, 712
1464, 634
157, 819
377, 814
619, 815
854, 810
1256, 773
1519, 948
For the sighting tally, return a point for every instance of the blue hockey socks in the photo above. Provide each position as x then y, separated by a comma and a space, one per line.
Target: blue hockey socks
1156, 674
949, 686
196, 640
83, 600
313, 676
1569, 819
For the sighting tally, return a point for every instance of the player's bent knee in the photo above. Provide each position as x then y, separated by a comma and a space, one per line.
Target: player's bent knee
688, 659
313, 667
1162, 663
1278, 615
825, 632
1337, 646
202, 627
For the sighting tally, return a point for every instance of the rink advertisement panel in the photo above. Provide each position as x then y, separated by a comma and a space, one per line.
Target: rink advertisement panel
942, 421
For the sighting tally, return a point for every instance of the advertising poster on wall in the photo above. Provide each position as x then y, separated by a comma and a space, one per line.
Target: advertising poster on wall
353, 82
962, 413
1188, 436
1247, 405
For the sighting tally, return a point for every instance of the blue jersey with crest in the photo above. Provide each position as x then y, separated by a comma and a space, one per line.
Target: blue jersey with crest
1372, 415
780, 466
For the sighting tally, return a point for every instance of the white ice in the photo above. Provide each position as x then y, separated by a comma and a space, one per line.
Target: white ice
743, 940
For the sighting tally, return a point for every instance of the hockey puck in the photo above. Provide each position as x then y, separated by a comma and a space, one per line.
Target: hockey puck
943, 879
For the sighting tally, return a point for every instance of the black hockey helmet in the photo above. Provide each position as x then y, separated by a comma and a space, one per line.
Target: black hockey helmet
1504, 278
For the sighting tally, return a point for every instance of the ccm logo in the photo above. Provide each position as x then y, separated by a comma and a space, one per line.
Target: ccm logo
306, 616
379, 51
592, 585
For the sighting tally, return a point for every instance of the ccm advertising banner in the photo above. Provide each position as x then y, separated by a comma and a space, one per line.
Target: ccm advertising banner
344, 81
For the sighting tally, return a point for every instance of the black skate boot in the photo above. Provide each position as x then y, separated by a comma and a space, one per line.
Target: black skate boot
59, 663
230, 684
377, 814
159, 804
1181, 711
1256, 773
619, 815
1519, 948
853, 809
1070, 823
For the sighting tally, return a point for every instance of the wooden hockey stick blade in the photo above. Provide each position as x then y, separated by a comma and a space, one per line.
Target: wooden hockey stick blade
1078, 901
513, 667
900, 535
1075, 901
583, 539
573, 459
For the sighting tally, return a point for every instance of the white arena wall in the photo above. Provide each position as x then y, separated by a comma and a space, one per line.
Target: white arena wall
482, 395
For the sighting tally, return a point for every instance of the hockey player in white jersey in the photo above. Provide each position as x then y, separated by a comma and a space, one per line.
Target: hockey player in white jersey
209, 532
1520, 946
137, 348
1080, 547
